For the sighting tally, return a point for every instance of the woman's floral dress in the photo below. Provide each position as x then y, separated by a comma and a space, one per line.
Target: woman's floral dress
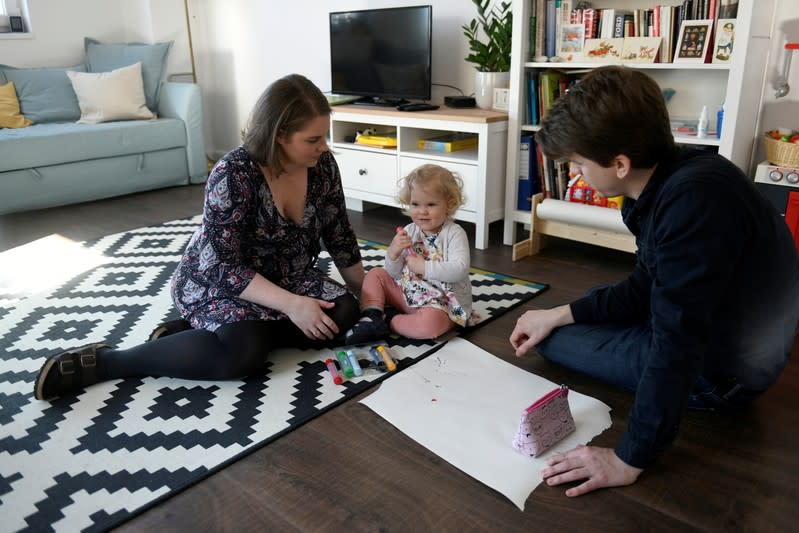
243, 233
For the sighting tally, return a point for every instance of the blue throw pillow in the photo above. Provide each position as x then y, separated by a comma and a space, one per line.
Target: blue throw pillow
105, 57
45, 94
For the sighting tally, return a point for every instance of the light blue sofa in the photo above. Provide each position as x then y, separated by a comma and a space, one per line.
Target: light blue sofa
57, 162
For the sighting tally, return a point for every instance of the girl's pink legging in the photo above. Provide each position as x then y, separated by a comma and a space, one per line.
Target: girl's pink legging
379, 289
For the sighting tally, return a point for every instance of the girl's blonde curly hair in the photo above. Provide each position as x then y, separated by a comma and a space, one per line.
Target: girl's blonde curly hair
439, 179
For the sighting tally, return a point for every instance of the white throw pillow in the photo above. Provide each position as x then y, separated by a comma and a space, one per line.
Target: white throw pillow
106, 96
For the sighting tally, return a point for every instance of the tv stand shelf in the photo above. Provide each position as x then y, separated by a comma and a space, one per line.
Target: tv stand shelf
370, 174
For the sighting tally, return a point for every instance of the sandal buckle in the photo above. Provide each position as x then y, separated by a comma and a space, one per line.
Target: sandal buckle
66, 367
88, 360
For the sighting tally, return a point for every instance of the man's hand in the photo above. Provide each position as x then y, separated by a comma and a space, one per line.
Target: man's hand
534, 326
599, 467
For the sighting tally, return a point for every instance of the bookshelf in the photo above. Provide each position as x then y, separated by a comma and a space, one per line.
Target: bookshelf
369, 174
737, 84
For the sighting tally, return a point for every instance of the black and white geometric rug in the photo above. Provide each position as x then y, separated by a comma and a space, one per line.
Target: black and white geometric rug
89, 462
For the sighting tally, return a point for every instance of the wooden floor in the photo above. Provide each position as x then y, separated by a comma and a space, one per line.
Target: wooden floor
349, 470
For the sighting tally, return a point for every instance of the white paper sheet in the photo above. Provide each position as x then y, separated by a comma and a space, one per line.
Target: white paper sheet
464, 404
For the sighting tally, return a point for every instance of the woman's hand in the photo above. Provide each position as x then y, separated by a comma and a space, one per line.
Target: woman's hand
534, 326
599, 467
308, 314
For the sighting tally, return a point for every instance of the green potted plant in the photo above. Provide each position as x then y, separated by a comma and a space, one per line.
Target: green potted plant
489, 36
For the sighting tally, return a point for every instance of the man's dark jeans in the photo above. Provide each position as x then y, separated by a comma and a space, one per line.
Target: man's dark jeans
617, 354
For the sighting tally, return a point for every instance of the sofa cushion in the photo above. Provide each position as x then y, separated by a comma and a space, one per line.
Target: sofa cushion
45, 94
103, 57
10, 117
109, 96
54, 143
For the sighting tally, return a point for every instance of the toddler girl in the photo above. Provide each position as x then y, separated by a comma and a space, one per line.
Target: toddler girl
426, 277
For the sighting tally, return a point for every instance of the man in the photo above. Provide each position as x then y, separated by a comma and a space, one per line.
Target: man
707, 318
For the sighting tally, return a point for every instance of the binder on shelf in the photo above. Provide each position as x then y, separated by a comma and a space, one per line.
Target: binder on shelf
528, 173
449, 142
524, 199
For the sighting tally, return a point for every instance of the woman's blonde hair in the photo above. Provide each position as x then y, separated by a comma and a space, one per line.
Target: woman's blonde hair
442, 181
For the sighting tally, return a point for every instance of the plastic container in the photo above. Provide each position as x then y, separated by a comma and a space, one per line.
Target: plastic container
701, 126
719, 121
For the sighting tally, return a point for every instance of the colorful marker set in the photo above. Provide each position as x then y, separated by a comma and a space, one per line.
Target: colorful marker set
348, 366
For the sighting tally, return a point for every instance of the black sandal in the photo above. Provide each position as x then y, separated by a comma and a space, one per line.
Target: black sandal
169, 328
67, 372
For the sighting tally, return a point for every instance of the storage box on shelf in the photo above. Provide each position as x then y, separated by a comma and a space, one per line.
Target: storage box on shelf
737, 85
370, 174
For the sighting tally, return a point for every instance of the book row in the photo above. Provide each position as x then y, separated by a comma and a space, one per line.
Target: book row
556, 179
561, 30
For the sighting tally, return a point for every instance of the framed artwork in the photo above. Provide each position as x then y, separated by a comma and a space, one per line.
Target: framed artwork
725, 39
693, 42
16, 24
640, 49
603, 50
570, 43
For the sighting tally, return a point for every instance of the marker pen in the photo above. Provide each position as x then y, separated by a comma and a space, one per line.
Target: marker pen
356, 366
346, 366
331, 367
376, 359
383, 351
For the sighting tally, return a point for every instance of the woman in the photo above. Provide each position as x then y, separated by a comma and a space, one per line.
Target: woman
247, 283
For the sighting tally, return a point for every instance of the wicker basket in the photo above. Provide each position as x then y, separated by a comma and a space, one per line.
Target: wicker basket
782, 153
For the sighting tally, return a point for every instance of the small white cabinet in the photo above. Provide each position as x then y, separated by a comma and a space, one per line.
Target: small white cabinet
370, 174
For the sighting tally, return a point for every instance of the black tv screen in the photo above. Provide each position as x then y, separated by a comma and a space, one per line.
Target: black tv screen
382, 54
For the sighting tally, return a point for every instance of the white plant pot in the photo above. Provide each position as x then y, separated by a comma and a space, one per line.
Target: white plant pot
484, 85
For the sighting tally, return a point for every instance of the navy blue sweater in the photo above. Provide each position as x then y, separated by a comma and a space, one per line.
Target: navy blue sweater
716, 278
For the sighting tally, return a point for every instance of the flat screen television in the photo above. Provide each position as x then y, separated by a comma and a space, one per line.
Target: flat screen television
382, 55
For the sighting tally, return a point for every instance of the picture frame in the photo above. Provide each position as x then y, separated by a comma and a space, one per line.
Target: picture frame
603, 50
640, 49
693, 41
16, 24
724, 40
571, 41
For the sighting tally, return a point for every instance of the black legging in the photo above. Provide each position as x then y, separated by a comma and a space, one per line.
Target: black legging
232, 351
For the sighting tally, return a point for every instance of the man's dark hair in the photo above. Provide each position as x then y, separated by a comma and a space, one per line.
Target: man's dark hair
612, 111
285, 107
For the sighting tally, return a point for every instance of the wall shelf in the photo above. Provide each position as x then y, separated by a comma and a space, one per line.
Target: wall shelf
737, 85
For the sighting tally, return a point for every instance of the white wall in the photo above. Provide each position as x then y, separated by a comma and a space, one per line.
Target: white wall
243, 45
240, 46
59, 27
780, 112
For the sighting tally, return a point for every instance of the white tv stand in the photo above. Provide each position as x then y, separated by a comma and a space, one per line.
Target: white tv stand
370, 174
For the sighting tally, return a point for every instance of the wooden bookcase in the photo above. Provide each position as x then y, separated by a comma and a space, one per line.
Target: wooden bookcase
737, 85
